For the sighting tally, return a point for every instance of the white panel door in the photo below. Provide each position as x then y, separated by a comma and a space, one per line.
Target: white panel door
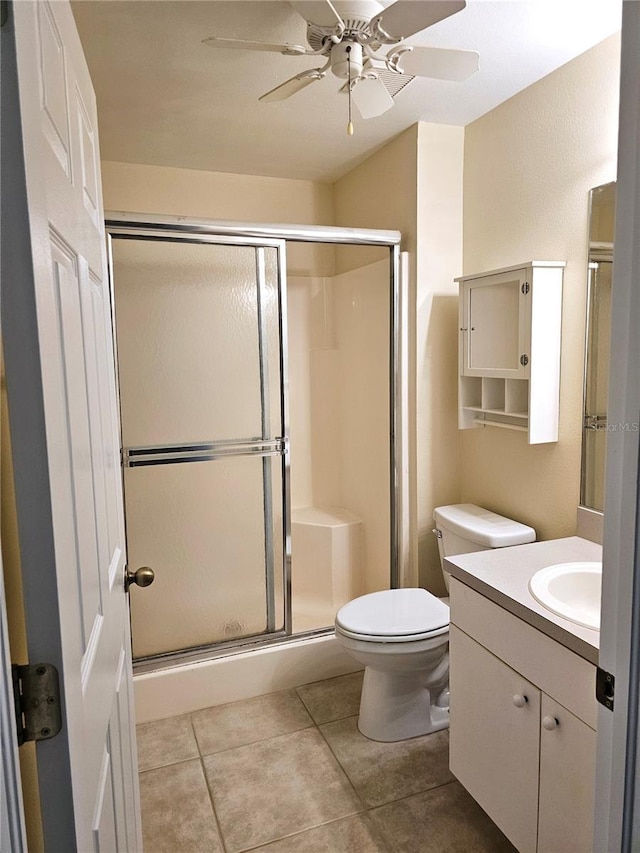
62, 406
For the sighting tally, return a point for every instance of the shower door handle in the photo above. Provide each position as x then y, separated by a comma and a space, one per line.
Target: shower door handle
144, 576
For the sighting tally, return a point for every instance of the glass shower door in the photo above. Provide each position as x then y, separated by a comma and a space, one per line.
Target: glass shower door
199, 336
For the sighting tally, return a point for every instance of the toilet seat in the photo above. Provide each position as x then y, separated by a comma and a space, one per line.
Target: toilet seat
394, 616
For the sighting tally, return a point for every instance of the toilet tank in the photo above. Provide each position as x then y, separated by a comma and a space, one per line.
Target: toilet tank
464, 528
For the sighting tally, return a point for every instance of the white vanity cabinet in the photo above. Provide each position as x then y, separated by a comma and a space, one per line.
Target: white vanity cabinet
509, 349
523, 717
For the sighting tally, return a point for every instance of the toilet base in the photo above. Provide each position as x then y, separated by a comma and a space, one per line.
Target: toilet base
397, 705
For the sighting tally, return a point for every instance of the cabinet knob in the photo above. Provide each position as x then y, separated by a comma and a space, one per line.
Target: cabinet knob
520, 700
550, 723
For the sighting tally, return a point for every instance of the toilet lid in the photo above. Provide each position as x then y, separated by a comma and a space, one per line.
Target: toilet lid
394, 613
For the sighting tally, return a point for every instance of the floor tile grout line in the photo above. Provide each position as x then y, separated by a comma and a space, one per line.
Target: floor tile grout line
236, 701
381, 805
209, 791
300, 686
310, 829
410, 796
223, 841
254, 742
339, 763
171, 764
321, 722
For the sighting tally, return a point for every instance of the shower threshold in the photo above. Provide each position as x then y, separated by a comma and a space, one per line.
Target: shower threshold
200, 654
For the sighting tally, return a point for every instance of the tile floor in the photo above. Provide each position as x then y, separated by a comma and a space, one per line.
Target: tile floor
290, 773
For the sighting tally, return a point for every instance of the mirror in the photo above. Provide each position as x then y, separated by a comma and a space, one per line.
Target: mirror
598, 329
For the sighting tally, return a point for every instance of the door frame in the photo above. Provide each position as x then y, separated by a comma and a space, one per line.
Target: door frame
119, 224
617, 807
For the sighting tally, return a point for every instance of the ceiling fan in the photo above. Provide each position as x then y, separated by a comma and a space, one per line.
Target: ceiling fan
350, 35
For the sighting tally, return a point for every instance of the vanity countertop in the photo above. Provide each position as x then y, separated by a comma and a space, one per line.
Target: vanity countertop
502, 575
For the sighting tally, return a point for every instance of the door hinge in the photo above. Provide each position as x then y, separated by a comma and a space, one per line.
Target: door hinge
36, 696
605, 688
524, 359
525, 287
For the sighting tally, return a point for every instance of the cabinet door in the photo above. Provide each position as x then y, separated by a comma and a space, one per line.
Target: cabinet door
494, 326
495, 738
567, 781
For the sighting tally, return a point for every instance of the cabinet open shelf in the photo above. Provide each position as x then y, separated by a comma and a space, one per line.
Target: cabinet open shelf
509, 352
523, 415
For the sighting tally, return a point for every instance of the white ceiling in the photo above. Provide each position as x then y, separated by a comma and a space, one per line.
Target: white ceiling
164, 98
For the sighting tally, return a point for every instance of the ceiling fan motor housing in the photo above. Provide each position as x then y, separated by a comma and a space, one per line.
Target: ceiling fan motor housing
346, 53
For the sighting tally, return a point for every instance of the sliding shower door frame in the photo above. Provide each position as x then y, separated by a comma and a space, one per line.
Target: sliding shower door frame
167, 228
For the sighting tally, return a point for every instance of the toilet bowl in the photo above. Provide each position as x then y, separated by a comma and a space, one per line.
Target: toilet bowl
401, 636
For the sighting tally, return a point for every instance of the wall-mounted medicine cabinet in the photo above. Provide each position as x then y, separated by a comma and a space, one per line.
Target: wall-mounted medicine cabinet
509, 349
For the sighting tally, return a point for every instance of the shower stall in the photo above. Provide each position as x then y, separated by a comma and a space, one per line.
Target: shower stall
259, 391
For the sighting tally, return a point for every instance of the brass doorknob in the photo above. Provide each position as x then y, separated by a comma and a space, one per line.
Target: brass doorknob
144, 576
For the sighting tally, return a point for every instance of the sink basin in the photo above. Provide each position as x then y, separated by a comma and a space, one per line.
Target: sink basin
571, 590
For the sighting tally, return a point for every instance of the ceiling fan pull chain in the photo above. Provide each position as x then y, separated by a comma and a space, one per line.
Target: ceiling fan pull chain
350, 124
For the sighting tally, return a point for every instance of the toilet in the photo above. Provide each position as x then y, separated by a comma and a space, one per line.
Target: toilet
401, 636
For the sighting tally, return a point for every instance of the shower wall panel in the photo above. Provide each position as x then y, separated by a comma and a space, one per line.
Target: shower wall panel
340, 433
299, 323
362, 322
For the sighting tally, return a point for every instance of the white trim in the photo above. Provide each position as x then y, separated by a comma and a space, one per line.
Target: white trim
121, 220
617, 778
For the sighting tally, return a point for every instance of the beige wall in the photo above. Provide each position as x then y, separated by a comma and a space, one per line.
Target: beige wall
439, 260
382, 192
528, 168
414, 184
138, 188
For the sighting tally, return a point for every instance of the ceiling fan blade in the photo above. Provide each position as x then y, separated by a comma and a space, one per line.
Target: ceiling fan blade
439, 63
290, 87
241, 44
321, 12
406, 17
371, 97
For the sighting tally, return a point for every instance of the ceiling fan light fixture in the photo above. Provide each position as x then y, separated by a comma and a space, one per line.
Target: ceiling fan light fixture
347, 37
346, 59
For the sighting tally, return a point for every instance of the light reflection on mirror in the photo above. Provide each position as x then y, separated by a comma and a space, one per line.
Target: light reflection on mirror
598, 329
